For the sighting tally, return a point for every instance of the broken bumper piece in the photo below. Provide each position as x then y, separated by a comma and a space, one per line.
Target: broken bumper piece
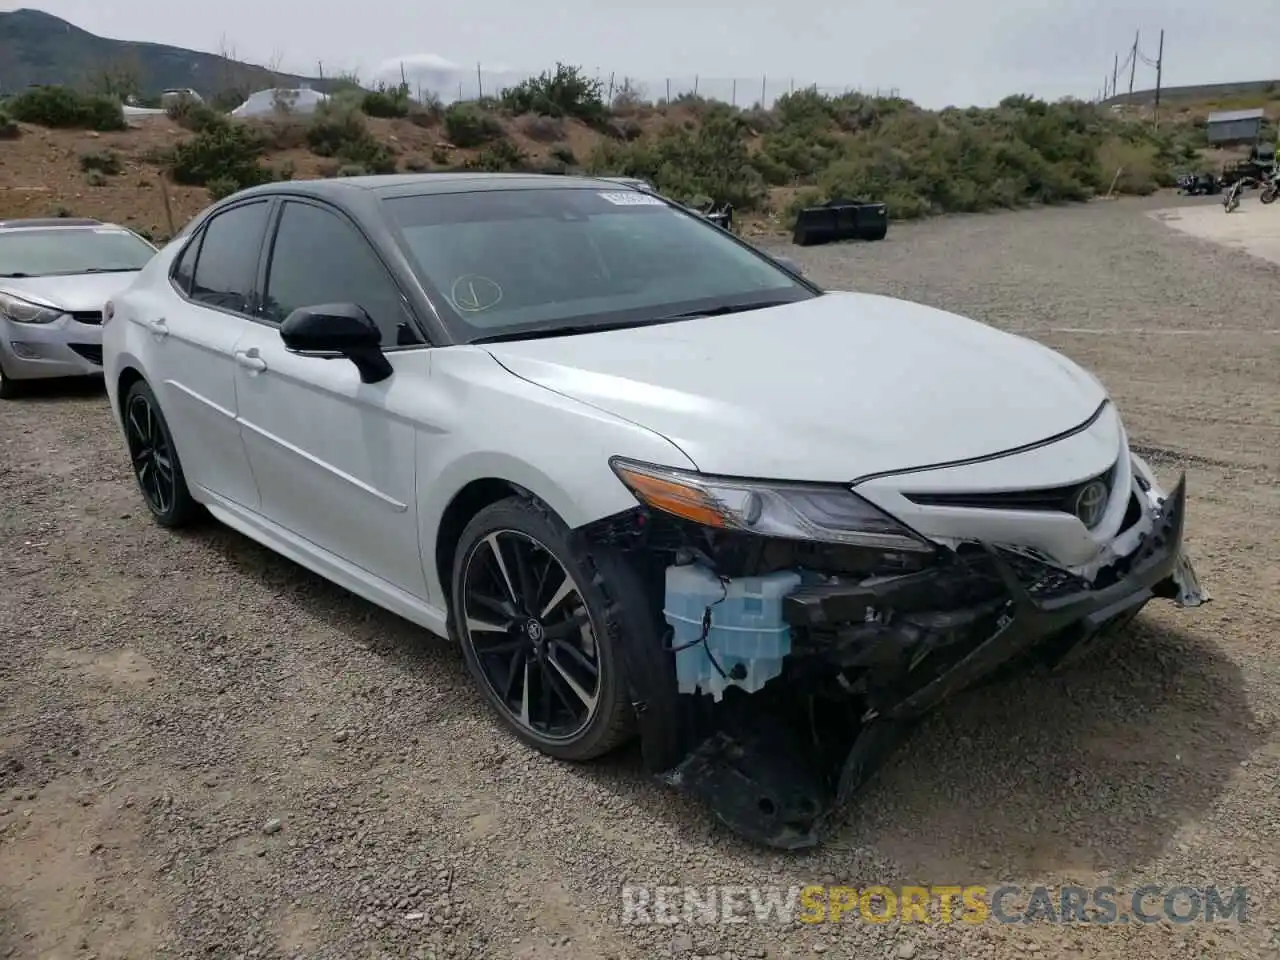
773, 788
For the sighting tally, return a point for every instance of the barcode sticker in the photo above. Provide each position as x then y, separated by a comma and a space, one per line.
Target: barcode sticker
631, 198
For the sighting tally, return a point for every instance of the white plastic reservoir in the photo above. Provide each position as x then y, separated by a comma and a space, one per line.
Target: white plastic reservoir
747, 635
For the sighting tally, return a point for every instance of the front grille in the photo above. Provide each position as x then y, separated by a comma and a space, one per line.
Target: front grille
90, 351
1053, 499
93, 317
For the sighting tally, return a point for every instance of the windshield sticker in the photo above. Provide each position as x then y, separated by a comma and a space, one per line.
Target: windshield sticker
631, 198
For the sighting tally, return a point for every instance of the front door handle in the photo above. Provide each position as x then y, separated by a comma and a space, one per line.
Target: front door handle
250, 360
159, 327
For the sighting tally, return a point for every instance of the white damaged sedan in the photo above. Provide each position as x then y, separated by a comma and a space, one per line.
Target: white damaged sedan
652, 480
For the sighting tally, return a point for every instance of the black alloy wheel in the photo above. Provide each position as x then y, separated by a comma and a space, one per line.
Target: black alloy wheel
155, 461
528, 619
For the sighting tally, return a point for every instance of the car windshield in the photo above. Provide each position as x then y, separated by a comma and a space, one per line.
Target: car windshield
504, 263
65, 251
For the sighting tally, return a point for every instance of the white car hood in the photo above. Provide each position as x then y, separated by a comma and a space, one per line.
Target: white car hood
82, 292
830, 389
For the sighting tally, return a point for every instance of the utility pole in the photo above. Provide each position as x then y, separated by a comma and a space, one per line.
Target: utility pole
1115, 75
1133, 65
479, 84
1159, 73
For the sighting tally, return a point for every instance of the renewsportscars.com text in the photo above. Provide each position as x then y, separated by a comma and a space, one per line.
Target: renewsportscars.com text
972, 904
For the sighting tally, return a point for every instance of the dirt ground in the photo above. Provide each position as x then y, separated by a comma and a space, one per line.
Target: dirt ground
207, 752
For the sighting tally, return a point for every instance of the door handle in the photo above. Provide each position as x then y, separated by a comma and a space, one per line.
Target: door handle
250, 360
159, 327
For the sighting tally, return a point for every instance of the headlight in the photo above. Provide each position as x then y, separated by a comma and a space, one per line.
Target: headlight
796, 511
23, 312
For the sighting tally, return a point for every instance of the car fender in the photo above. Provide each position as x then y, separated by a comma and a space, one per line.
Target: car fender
554, 447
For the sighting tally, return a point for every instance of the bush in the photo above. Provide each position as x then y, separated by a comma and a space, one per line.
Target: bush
388, 102
563, 153
469, 125
501, 156
567, 92
341, 133
63, 108
541, 129
223, 152
106, 162
9, 129
221, 187
193, 115
95, 178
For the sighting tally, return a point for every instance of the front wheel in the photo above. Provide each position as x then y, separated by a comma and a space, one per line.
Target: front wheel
155, 459
1268, 195
535, 628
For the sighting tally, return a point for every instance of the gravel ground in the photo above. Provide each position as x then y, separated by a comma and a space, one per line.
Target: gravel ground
205, 751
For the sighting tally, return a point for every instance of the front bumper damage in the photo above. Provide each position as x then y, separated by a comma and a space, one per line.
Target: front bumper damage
909, 642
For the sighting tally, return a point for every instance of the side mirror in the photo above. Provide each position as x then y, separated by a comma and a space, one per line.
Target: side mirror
333, 330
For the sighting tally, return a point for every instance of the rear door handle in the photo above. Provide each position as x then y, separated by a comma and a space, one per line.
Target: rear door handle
159, 327
250, 360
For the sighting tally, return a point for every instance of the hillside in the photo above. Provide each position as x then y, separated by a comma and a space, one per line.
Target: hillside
1255, 92
74, 154
39, 48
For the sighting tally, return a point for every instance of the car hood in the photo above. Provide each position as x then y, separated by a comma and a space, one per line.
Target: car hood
82, 292
832, 389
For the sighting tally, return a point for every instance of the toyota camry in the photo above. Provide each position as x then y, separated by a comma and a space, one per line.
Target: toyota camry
653, 481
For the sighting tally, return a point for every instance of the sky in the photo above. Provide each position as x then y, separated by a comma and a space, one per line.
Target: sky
936, 52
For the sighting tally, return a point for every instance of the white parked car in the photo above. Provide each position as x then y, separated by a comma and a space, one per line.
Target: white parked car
649, 480
55, 275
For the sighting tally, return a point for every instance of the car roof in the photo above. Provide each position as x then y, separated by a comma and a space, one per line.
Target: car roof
46, 222
416, 184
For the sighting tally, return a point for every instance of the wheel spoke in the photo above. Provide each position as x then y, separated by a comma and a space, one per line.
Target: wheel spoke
499, 608
138, 430
483, 626
566, 628
496, 549
524, 696
544, 687
509, 646
576, 655
588, 699
567, 587
527, 597
519, 659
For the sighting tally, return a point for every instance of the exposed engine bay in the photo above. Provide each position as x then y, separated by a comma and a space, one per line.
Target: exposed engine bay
800, 665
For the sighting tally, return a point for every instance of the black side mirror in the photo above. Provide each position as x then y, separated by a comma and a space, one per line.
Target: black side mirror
332, 330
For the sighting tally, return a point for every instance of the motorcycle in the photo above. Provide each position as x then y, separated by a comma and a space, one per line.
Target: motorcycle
1270, 188
1231, 199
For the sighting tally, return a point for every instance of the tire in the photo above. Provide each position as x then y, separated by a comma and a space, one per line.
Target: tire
613, 618
164, 491
9, 388
1268, 195
878, 233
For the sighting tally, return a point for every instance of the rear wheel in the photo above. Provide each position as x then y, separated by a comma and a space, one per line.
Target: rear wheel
535, 629
155, 460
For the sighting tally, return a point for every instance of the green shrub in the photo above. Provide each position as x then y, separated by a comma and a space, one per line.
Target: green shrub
95, 178
63, 108
352, 170
103, 161
563, 153
223, 152
9, 129
500, 156
566, 92
193, 115
386, 101
469, 125
342, 133
221, 187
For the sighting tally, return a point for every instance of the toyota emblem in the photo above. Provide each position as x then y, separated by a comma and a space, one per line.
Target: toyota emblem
1091, 503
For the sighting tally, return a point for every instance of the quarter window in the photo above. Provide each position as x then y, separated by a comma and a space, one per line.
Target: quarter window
227, 262
319, 258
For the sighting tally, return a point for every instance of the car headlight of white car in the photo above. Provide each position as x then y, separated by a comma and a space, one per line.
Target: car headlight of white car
826, 513
22, 311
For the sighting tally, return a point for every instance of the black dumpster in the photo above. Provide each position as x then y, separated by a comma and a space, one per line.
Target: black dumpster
840, 219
